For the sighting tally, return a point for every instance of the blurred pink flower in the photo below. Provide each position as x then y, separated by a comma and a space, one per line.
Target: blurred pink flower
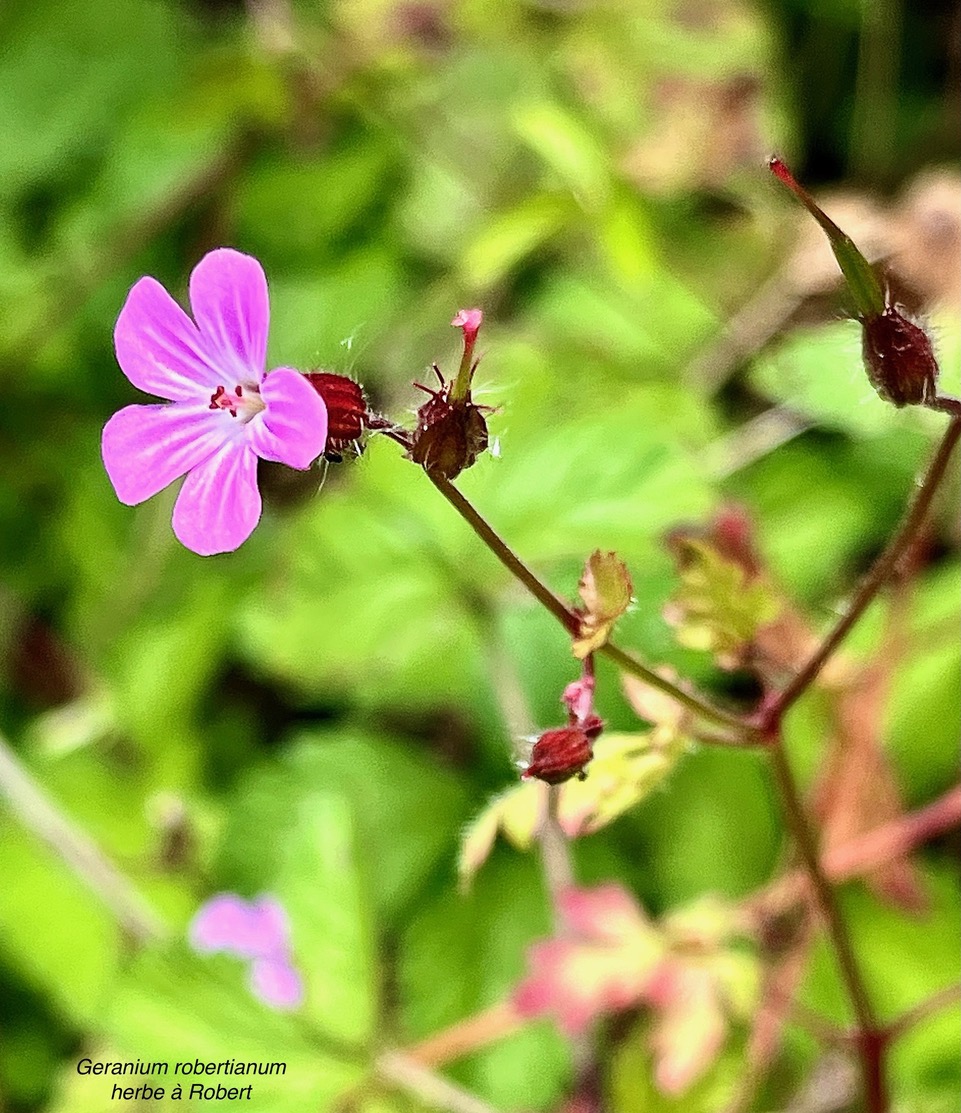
606, 962
221, 411
257, 930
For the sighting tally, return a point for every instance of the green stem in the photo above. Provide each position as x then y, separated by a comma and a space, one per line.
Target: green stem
629, 663
570, 620
541, 592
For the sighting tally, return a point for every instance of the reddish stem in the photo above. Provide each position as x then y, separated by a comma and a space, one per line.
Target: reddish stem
865, 853
872, 583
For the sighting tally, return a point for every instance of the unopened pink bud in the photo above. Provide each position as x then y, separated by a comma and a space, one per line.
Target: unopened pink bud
578, 698
470, 320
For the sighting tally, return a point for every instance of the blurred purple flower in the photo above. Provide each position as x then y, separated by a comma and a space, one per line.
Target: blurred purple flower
222, 411
257, 930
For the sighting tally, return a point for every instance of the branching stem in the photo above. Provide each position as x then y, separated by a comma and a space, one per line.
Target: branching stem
870, 1038
569, 619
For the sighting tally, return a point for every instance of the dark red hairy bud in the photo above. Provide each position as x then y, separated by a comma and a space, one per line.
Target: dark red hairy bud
898, 356
451, 433
451, 430
559, 755
347, 412
899, 359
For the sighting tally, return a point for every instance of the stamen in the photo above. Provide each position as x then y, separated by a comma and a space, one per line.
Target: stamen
221, 400
243, 402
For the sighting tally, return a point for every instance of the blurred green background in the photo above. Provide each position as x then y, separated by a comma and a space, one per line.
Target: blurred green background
318, 713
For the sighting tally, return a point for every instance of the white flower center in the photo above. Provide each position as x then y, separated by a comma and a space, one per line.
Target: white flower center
243, 401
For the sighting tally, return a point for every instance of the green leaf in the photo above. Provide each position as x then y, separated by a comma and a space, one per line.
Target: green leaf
47, 903
717, 608
567, 147
406, 812
509, 238
75, 71
321, 889
464, 954
177, 1007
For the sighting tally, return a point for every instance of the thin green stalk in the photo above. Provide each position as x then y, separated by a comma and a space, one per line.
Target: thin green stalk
570, 620
39, 813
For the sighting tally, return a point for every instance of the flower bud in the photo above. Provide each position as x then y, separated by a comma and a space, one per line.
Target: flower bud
450, 434
347, 411
899, 359
451, 430
559, 755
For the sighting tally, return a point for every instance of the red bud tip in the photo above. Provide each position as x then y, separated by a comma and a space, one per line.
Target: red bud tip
780, 171
858, 273
470, 320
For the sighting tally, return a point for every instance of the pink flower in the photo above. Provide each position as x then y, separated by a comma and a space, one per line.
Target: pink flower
257, 931
221, 411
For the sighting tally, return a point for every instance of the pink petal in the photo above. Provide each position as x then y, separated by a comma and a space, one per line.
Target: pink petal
226, 922
145, 448
292, 430
276, 983
221, 924
607, 913
228, 296
271, 927
159, 348
219, 504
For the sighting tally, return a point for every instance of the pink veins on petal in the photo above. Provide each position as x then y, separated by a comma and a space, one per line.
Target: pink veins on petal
221, 410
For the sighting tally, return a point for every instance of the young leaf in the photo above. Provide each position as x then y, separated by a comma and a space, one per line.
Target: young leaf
605, 589
606, 963
625, 769
718, 607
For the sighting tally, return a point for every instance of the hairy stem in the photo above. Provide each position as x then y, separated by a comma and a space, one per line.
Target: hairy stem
432, 1090
867, 851
468, 1035
882, 569
567, 617
869, 1045
943, 999
554, 847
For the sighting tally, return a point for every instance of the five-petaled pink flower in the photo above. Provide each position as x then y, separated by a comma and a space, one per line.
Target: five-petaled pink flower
221, 411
